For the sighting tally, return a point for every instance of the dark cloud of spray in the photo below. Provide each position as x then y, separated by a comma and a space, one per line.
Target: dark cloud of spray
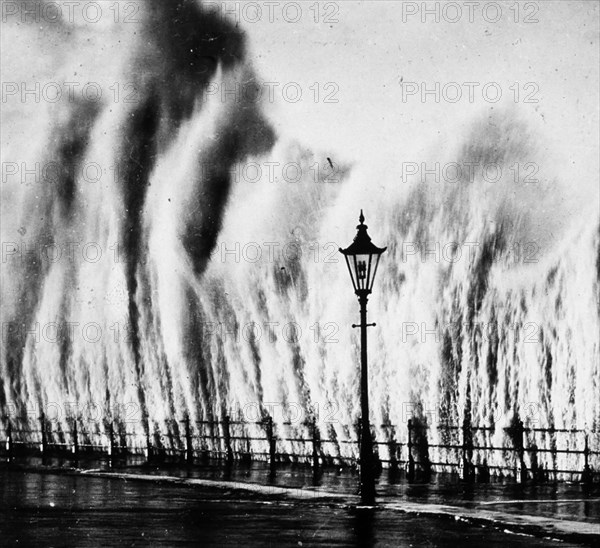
180, 49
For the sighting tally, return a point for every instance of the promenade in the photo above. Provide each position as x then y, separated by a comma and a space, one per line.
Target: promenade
172, 505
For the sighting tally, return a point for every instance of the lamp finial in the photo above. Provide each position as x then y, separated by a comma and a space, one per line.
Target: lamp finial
362, 217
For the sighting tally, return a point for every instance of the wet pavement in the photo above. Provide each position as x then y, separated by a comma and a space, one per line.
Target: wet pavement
57, 505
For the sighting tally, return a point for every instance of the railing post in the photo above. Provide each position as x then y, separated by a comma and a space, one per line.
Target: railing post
483, 472
148, 444
227, 439
467, 435
409, 445
111, 442
426, 462
316, 444
75, 441
393, 450
203, 426
520, 448
537, 471
44, 444
271, 440
586, 476
189, 449
376, 457
9, 440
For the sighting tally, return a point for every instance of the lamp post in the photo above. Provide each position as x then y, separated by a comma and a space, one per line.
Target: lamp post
362, 258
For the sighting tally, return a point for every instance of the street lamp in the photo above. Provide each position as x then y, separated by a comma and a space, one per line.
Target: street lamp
362, 258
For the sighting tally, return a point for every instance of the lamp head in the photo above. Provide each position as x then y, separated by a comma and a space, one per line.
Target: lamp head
362, 259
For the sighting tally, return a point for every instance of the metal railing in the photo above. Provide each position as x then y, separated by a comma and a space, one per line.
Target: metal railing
468, 449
